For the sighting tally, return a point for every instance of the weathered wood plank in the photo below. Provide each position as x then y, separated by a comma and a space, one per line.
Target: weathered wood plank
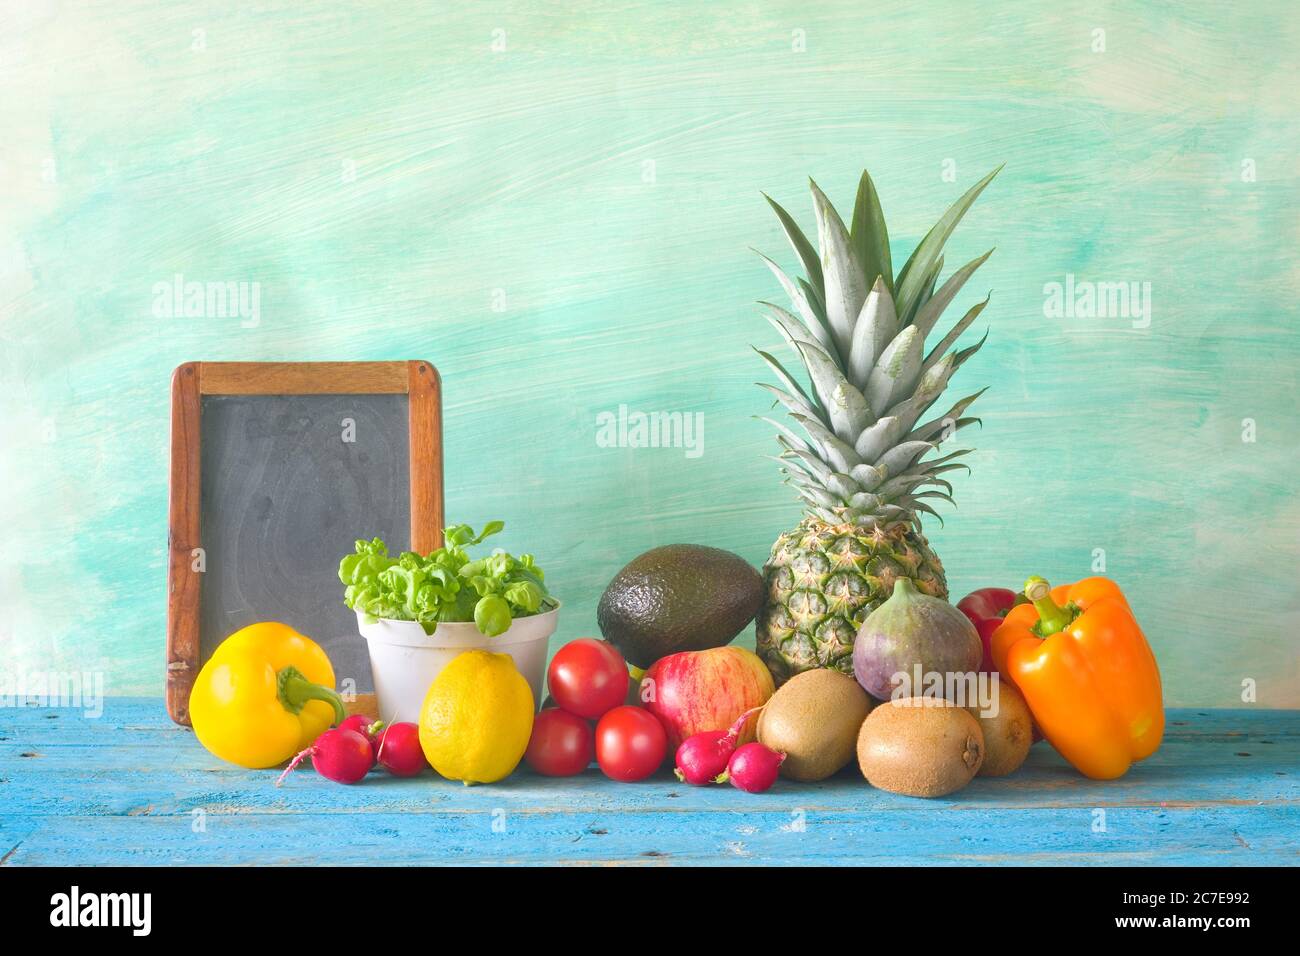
130, 787
182, 777
778, 833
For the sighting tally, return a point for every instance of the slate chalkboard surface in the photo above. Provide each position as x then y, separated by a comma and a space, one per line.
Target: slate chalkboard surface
289, 482
277, 468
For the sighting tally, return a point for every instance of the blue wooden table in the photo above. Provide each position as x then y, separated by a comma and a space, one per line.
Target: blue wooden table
128, 787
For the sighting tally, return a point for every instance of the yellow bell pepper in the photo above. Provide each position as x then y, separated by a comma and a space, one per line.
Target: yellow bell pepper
266, 693
1081, 661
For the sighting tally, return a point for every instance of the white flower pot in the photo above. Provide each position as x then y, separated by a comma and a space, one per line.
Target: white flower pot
404, 660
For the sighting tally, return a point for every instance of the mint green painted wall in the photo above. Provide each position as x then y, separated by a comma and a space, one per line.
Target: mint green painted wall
134, 148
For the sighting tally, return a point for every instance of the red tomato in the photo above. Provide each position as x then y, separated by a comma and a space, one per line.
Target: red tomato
588, 677
561, 744
630, 743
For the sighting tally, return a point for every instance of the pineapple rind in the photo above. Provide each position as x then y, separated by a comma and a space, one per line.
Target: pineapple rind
824, 579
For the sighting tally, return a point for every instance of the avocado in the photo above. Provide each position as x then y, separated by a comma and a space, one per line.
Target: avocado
681, 597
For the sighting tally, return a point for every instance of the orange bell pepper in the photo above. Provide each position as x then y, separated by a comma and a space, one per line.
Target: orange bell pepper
1077, 655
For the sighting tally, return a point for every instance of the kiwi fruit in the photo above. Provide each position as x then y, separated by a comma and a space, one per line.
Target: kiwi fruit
920, 747
814, 719
1008, 734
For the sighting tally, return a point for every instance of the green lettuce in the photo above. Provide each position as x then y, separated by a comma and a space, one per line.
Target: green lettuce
445, 586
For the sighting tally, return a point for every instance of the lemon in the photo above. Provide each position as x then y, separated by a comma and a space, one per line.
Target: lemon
476, 718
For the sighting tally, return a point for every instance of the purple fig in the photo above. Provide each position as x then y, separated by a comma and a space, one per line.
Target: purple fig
914, 635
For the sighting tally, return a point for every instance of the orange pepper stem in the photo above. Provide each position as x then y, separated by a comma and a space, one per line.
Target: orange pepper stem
295, 690
1052, 618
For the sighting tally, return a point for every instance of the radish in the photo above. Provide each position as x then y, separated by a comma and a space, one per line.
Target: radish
366, 726
398, 750
344, 756
752, 768
703, 757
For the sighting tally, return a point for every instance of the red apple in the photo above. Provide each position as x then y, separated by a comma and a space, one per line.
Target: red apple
694, 691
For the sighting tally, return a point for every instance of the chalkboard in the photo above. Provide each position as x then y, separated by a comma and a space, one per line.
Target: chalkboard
276, 469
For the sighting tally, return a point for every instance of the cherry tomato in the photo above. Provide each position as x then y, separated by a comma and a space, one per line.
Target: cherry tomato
588, 677
630, 743
561, 745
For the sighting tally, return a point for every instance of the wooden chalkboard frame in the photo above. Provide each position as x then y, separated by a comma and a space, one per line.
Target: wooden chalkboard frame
416, 379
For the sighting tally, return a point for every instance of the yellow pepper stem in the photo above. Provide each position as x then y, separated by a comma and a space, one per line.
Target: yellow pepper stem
1052, 618
295, 690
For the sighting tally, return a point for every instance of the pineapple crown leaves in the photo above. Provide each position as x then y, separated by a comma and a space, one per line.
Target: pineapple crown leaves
859, 331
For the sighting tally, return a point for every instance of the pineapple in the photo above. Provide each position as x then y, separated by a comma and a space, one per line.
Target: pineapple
862, 461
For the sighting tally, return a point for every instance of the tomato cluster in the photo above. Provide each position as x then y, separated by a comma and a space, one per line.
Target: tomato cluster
588, 681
